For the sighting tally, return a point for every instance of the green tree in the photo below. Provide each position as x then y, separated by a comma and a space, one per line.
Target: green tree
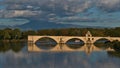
6, 35
16, 34
25, 34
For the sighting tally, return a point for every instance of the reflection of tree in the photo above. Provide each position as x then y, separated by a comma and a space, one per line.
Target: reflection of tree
5, 46
16, 47
114, 54
116, 46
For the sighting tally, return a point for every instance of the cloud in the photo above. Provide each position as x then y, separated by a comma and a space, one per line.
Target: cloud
108, 5
81, 11
13, 22
65, 6
17, 13
71, 19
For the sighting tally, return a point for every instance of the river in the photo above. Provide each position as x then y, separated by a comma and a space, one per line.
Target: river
17, 55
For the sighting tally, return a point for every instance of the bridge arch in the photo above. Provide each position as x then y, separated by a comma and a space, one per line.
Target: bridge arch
101, 43
46, 40
102, 40
74, 40
74, 43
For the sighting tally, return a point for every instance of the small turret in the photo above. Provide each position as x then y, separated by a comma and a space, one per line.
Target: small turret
88, 37
88, 34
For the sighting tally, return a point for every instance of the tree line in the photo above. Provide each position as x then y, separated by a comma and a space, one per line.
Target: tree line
17, 34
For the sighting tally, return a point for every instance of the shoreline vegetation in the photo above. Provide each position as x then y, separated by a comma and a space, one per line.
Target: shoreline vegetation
15, 35
13, 40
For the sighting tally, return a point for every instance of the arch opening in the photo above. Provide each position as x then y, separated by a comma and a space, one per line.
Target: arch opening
102, 43
102, 40
74, 43
46, 43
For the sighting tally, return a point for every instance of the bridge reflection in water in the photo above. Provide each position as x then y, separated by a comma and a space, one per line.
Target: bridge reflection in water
88, 48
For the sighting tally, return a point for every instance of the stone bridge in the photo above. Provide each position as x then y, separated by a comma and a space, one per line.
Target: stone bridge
63, 39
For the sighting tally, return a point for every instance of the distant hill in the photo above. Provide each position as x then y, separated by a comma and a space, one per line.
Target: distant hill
38, 24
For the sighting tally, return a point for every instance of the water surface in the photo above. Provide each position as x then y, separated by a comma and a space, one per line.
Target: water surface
16, 55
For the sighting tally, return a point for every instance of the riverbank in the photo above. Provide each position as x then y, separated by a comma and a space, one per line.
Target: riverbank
14, 40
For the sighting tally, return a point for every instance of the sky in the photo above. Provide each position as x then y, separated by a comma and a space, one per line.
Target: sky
13, 22
104, 13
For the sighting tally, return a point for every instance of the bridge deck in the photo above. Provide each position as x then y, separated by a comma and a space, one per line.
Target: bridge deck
66, 38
